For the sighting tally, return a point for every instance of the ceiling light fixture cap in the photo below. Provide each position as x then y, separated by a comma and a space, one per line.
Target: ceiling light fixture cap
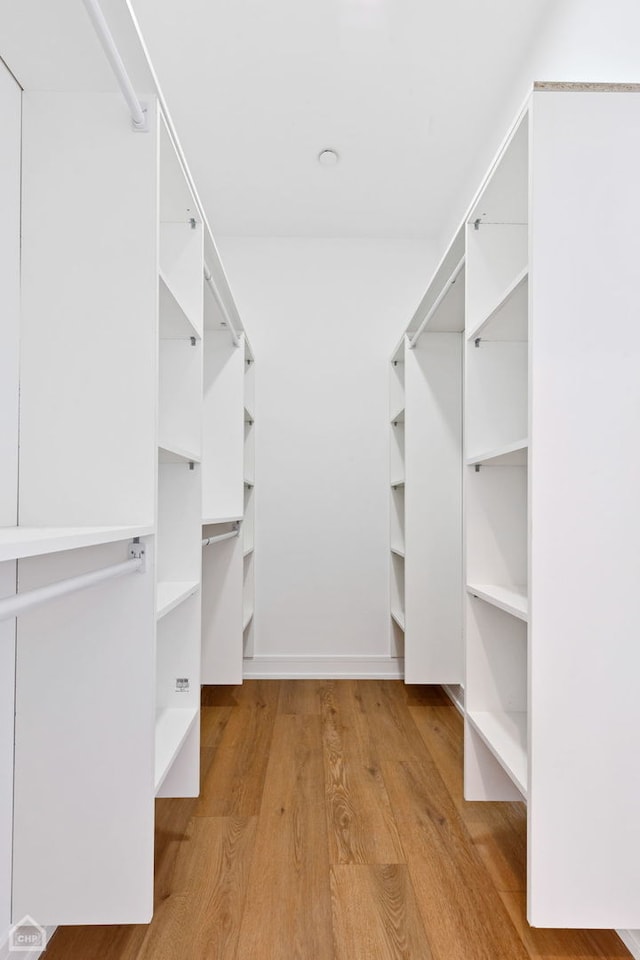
328, 157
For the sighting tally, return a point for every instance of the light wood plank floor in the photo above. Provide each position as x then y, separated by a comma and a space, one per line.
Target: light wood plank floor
331, 826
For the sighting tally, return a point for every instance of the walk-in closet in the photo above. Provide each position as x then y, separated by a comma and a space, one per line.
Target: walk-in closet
319, 385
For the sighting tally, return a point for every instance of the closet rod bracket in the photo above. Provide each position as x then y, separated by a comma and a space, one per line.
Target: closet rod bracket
138, 551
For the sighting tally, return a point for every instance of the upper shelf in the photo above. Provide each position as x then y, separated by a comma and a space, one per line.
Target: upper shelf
510, 455
168, 453
398, 417
504, 196
508, 319
175, 322
177, 202
449, 315
17, 543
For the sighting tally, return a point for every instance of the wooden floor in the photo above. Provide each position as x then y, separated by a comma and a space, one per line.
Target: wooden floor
331, 826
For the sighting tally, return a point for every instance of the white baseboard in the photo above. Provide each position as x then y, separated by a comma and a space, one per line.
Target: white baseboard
631, 940
323, 668
455, 692
6, 954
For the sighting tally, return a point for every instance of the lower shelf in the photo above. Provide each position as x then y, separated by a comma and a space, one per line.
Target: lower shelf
170, 593
511, 599
505, 734
399, 618
172, 729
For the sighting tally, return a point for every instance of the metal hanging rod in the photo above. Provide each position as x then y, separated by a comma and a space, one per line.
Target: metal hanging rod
214, 290
22, 602
138, 112
222, 536
445, 290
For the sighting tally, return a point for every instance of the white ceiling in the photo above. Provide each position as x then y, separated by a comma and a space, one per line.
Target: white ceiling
402, 89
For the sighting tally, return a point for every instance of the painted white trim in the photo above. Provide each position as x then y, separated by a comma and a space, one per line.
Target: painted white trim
455, 692
631, 940
323, 668
6, 954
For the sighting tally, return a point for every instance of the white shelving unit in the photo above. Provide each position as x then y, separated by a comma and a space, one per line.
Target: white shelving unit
497, 423
227, 499
426, 476
397, 502
178, 604
551, 518
103, 243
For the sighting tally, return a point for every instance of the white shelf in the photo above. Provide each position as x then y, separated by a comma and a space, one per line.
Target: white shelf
248, 416
249, 483
248, 551
510, 455
399, 551
172, 728
511, 599
399, 618
397, 483
505, 734
398, 417
173, 454
175, 322
246, 619
171, 593
513, 288
211, 521
19, 542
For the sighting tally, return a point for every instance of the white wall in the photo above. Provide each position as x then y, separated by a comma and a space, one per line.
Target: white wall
323, 317
582, 40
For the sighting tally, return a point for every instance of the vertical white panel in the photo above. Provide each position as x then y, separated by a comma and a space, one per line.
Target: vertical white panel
90, 292
222, 610
584, 840
7, 700
9, 341
9, 292
83, 831
180, 395
433, 438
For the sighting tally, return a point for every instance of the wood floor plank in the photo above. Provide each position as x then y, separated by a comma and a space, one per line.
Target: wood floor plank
462, 911
173, 818
123, 942
301, 697
344, 720
503, 851
211, 875
375, 914
425, 695
213, 720
441, 728
360, 821
288, 912
390, 724
563, 944
359, 816
233, 783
